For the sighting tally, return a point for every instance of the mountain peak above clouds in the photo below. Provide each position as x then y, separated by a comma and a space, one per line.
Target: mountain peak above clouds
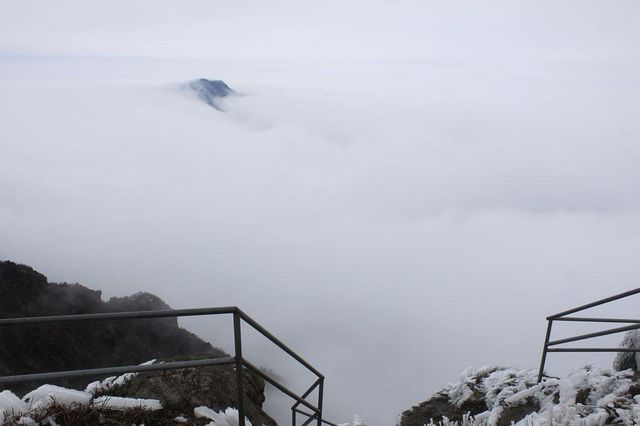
211, 91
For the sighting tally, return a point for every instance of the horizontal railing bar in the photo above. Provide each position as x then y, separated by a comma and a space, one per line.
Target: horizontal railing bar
253, 323
174, 365
596, 334
279, 386
307, 393
592, 350
596, 303
585, 319
167, 313
314, 416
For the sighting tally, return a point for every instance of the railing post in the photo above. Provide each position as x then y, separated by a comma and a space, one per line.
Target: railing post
320, 398
294, 421
237, 340
544, 350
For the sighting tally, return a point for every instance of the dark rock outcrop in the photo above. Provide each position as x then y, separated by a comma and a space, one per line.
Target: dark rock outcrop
512, 414
51, 347
439, 407
213, 387
211, 91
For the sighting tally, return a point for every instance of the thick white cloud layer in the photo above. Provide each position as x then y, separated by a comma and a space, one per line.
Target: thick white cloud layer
404, 189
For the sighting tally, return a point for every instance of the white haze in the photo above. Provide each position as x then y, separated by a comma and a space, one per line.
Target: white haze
404, 189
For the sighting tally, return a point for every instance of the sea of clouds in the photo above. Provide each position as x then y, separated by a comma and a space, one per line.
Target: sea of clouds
400, 191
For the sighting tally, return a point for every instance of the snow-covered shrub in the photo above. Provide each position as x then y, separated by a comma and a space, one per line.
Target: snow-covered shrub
586, 397
628, 360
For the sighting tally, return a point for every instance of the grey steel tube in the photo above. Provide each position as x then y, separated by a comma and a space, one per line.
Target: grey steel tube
592, 350
585, 319
596, 334
320, 400
119, 315
237, 339
115, 370
543, 359
596, 303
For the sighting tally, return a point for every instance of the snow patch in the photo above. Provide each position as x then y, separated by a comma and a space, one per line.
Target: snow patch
119, 403
228, 417
47, 395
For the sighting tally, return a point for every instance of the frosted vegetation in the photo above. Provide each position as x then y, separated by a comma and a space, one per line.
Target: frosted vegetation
626, 360
586, 397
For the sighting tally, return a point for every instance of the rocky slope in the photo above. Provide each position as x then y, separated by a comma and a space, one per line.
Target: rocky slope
48, 347
502, 396
54, 347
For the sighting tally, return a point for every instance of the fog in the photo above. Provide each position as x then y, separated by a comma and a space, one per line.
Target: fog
401, 190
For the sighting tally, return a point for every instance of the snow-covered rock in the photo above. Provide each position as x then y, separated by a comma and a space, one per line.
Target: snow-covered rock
500, 396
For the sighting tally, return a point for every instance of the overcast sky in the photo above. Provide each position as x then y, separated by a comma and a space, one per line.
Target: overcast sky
404, 189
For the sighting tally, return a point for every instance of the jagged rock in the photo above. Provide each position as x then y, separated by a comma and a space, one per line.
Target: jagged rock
137, 302
142, 301
211, 91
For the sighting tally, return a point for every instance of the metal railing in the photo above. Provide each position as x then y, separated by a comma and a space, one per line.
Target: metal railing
238, 360
550, 345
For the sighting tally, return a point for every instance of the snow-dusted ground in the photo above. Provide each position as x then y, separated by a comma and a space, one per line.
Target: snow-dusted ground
24, 410
606, 397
